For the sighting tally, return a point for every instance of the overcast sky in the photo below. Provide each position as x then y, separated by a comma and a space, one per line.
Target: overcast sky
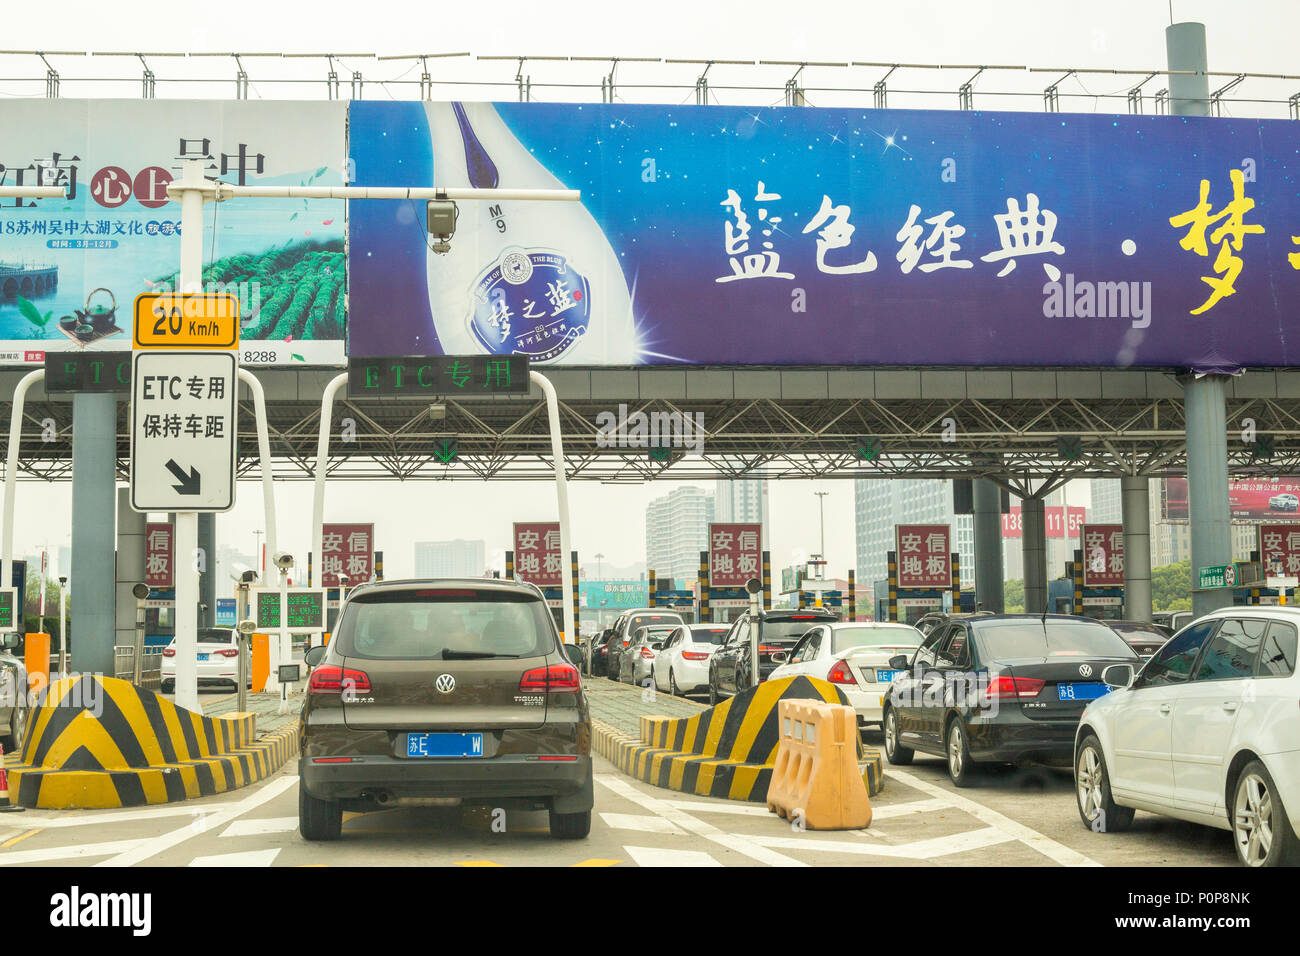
1247, 35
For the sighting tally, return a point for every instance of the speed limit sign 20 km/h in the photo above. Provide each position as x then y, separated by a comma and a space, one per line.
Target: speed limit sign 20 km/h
205, 320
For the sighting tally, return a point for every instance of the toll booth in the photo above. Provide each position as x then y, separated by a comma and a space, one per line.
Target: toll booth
1105, 603
831, 601
683, 602
1060, 595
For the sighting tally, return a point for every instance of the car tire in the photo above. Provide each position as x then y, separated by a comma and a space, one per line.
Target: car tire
713, 692
1252, 790
961, 769
318, 819
672, 684
570, 826
895, 753
1097, 807
13, 741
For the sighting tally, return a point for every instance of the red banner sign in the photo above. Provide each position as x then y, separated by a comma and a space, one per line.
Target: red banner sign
1103, 555
1279, 549
735, 554
1062, 521
158, 555
924, 555
346, 549
538, 557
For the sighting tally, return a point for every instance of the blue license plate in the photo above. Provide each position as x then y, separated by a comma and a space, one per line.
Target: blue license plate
886, 677
1082, 691
444, 745
203, 657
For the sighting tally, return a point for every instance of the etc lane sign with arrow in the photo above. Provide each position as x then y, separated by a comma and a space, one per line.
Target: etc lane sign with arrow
183, 413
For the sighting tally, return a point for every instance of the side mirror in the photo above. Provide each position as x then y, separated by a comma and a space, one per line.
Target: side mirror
11, 640
780, 657
657, 647
898, 662
315, 655
575, 654
1118, 675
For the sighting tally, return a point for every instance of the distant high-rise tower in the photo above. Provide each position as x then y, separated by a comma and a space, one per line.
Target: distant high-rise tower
882, 503
742, 500
450, 559
676, 531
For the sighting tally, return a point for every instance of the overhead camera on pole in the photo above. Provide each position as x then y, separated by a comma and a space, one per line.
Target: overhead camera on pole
141, 592
755, 587
441, 215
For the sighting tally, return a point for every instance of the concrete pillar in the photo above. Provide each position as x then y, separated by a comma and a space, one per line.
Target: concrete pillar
1033, 544
1136, 501
208, 577
94, 457
987, 522
1204, 403
130, 564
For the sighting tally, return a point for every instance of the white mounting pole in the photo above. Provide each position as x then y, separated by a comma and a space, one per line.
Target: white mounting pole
562, 499
322, 462
276, 651
226, 191
11, 471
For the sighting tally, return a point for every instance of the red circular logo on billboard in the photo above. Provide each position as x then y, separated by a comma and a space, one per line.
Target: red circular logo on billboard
151, 187
111, 186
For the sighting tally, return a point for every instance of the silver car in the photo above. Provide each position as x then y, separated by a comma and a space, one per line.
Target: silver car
13, 696
638, 661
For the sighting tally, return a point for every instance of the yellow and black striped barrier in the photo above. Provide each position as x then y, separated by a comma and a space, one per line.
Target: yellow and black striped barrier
726, 751
97, 742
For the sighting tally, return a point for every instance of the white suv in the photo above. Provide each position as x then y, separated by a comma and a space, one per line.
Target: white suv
1207, 731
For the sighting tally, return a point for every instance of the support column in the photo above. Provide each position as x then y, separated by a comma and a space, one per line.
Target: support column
987, 522
1204, 404
1033, 545
130, 564
1136, 503
208, 576
94, 457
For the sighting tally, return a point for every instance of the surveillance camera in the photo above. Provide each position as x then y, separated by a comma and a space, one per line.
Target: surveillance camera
437, 411
753, 585
283, 560
141, 591
248, 577
63, 579
246, 627
441, 216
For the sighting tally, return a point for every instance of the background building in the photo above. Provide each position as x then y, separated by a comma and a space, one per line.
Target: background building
450, 559
742, 500
882, 503
676, 531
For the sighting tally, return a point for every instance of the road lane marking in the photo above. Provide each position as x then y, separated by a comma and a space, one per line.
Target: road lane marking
73, 851
919, 850
144, 849
477, 863
907, 809
655, 856
1054, 851
598, 861
261, 827
663, 808
636, 821
742, 809
96, 817
247, 858
20, 837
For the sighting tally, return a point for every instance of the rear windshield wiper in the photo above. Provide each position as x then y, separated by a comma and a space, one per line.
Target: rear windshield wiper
449, 655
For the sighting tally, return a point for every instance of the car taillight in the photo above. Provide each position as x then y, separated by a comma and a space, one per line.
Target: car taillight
647, 653
169, 652
554, 678
332, 679
1003, 687
229, 652
840, 674
694, 656
769, 648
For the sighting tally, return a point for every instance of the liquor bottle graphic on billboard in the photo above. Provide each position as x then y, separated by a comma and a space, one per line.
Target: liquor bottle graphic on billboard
534, 278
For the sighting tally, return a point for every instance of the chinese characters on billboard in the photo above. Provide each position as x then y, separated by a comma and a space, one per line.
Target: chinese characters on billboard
538, 558
1061, 521
1279, 549
1248, 499
735, 554
347, 549
1103, 555
924, 557
158, 554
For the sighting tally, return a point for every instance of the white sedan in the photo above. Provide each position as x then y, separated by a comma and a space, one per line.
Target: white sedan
1207, 731
681, 665
217, 658
855, 657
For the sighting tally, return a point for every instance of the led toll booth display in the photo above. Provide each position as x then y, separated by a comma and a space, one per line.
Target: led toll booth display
8, 601
441, 375
87, 372
306, 610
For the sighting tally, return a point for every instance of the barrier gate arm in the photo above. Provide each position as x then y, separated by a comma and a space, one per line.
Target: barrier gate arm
11, 468
561, 499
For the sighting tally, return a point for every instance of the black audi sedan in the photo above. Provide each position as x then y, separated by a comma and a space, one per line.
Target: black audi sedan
1006, 688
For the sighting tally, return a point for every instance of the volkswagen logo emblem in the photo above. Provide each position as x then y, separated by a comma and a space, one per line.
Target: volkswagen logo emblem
446, 683
1085, 670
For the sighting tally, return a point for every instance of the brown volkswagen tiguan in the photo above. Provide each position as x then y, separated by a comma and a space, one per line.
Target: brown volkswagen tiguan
442, 689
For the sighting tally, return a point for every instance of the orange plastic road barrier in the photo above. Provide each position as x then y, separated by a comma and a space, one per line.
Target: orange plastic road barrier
261, 654
816, 780
36, 658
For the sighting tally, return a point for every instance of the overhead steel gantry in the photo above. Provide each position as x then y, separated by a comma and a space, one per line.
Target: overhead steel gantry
1024, 428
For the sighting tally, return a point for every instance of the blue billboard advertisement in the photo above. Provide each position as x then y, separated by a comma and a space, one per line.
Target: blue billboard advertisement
613, 595
798, 236
70, 269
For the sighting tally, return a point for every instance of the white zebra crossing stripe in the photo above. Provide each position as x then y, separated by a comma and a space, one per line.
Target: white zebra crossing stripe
261, 827
247, 858
634, 821
655, 856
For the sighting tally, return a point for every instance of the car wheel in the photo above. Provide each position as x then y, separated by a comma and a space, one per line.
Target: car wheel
713, 692
672, 684
570, 826
1097, 808
897, 754
961, 768
318, 819
1261, 831
13, 743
